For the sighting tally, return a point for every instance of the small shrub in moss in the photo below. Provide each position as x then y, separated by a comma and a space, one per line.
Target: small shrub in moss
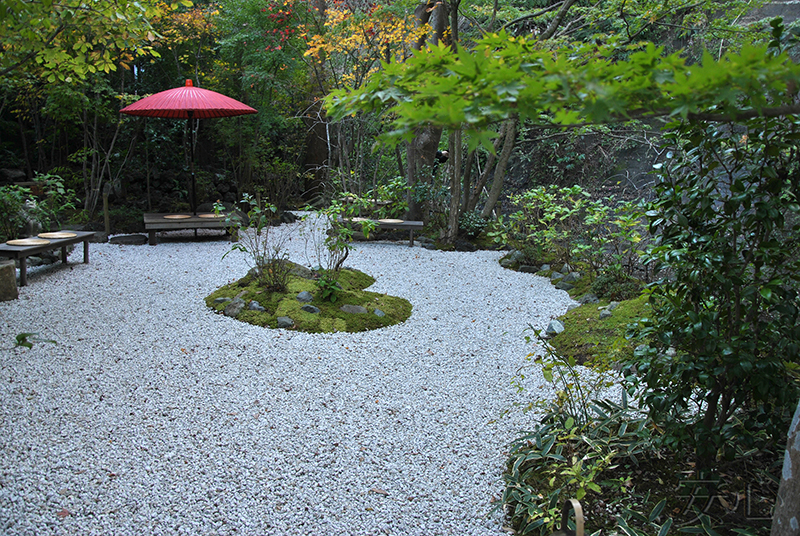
616, 286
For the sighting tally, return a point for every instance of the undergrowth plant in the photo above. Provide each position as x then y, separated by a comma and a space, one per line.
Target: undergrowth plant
328, 233
263, 243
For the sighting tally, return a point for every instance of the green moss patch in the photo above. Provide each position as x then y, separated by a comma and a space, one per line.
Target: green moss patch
591, 340
330, 318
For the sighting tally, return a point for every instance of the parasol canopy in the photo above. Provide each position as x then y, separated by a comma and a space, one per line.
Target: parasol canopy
188, 102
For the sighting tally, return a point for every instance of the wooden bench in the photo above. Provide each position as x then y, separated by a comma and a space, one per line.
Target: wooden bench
411, 225
22, 253
174, 222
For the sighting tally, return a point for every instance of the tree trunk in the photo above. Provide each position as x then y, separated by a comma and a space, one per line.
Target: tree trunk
455, 186
500, 169
786, 519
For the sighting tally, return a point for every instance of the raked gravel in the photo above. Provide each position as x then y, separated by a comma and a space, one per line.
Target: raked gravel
153, 415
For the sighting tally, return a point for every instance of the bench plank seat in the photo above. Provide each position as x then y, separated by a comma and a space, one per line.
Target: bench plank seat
22, 253
160, 222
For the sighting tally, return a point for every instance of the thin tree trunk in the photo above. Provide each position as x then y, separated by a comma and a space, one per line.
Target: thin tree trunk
500, 169
455, 186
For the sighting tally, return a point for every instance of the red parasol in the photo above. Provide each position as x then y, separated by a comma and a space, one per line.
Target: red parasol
188, 102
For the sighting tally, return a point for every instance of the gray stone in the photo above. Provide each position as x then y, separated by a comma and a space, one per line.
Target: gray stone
566, 269
613, 305
8, 281
255, 306
605, 313
545, 268
99, 238
588, 298
353, 309
573, 305
300, 271
234, 307
221, 300
554, 328
528, 269
310, 309
555, 276
285, 322
516, 256
563, 285
305, 297
129, 240
505, 262
572, 277
378, 312
33, 260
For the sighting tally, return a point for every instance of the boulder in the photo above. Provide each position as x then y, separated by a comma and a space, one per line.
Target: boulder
353, 309
572, 277
255, 306
310, 309
234, 307
525, 268
305, 297
129, 240
8, 281
554, 328
563, 285
285, 322
378, 312
588, 298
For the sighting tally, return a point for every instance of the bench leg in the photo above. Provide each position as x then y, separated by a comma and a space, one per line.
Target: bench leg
85, 252
23, 271
151, 238
411, 238
64, 254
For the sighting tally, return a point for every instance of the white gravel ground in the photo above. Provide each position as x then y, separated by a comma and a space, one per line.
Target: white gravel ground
153, 415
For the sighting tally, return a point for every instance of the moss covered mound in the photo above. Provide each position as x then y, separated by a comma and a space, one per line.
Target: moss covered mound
330, 317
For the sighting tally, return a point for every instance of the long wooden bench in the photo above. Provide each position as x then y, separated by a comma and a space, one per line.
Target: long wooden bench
411, 225
177, 221
23, 252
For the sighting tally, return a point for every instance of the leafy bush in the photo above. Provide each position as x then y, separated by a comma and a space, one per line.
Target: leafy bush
472, 224
725, 328
563, 225
615, 285
264, 245
12, 205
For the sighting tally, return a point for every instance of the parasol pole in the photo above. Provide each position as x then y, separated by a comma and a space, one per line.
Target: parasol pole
193, 198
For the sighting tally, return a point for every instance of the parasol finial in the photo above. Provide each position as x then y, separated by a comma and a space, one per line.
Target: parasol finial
189, 83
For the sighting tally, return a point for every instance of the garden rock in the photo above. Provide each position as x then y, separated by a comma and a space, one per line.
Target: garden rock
234, 307
129, 240
305, 297
310, 309
255, 306
563, 285
8, 281
606, 312
555, 276
285, 322
378, 312
221, 300
572, 277
99, 237
545, 268
33, 260
554, 328
525, 268
353, 309
588, 298
566, 269
301, 271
